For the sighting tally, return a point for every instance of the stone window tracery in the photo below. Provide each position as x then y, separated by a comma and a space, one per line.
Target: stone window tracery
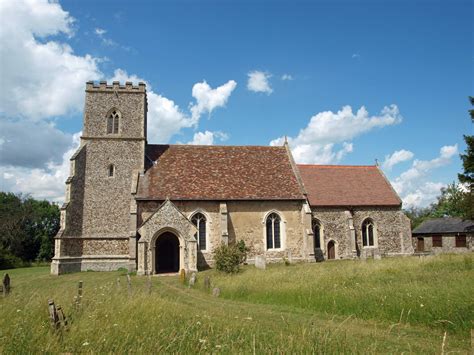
199, 220
368, 238
113, 120
273, 231
317, 232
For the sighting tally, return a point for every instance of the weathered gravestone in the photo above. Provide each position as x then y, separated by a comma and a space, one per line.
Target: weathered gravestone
207, 282
182, 276
260, 262
216, 292
53, 315
6, 285
192, 279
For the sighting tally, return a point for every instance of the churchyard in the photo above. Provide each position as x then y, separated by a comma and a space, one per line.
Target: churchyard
411, 304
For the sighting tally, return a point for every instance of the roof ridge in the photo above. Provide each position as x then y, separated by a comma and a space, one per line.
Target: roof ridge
218, 146
336, 166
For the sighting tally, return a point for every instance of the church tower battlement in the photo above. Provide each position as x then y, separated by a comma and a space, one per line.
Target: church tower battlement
98, 219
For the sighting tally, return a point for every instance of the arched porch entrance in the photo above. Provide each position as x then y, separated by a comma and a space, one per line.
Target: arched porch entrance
167, 253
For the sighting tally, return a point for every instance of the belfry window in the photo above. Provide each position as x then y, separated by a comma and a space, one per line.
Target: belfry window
368, 233
113, 120
111, 170
273, 231
199, 220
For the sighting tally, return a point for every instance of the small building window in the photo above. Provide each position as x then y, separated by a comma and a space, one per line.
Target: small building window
199, 220
113, 119
437, 241
273, 231
368, 233
111, 170
461, 241
317, 234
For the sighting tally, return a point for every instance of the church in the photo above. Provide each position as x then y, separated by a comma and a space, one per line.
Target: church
155, 208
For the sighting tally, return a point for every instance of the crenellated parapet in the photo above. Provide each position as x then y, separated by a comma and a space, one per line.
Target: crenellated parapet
103, 86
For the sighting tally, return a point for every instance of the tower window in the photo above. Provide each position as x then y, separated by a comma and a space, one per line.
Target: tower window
113, 119
111, 171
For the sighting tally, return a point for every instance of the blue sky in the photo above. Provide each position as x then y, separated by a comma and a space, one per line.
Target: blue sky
415, 55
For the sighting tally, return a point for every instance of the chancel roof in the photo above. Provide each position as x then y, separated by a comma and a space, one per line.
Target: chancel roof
193, 172
343, 185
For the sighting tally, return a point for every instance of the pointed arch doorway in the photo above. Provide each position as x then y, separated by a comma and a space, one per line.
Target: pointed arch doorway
331, 250
166, 253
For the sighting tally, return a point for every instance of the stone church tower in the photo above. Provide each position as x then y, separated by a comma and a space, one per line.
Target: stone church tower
98, 218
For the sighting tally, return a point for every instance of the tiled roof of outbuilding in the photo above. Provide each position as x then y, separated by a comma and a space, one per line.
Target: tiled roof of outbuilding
190, 172
444, 225
343, 185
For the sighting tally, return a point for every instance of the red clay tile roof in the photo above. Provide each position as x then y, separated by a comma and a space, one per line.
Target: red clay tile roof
187, 172
340, 185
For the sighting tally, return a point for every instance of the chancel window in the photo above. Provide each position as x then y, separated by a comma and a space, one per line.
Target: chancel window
199, 220
368, 233
273, 231
113, 122
317, 234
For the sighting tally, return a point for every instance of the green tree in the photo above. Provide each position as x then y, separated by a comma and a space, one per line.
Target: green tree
451, 202
467, 177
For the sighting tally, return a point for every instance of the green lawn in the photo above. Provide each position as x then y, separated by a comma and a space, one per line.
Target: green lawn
390, 306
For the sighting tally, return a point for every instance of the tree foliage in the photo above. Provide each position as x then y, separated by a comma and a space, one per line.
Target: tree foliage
27, 229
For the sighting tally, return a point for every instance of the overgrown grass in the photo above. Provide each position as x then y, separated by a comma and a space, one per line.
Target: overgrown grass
295, 309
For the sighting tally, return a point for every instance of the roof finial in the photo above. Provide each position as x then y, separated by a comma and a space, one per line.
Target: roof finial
286, 140
376, 162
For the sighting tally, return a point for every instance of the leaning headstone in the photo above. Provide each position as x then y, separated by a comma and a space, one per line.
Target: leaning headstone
216, 292
377, 255
148, 284
182, 276
6, 285
192, 279
290, 257
260, 262
207, 282
53, 315
61, 317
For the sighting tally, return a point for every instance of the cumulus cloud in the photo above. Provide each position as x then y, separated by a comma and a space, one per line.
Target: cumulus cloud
166, 118
286, 77
40, 77
259, 81
208, 137
207, 99
397, 157
412, 185
42, 183
326, 138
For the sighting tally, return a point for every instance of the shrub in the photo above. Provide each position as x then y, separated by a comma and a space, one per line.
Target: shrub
229, 257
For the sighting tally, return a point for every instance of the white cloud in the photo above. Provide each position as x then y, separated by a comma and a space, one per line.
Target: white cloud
355, 56
207, 99
397, 157
42, 183
326, 138
286, 77
165, 118
258, 81
208, 137
412, 185
40, 77
100, 31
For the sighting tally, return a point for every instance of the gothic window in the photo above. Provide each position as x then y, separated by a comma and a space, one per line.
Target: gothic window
199, 220
273, 231
111, 170
368, 233
317, 234
113, 122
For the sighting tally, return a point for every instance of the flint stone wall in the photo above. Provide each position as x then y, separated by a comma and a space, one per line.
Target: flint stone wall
392, 231
448, 242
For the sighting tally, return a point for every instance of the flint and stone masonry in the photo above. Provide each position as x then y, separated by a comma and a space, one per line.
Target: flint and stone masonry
122, 211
